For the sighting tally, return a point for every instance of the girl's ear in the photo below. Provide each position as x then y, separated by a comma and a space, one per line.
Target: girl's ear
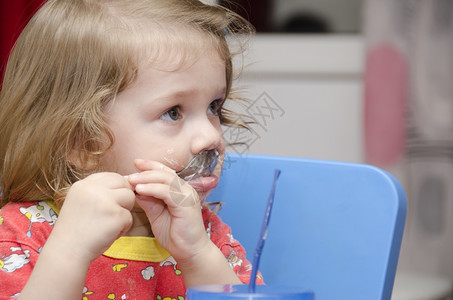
82, 160
87, 156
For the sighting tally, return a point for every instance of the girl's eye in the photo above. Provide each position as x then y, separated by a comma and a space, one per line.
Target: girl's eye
173, 114
215, 106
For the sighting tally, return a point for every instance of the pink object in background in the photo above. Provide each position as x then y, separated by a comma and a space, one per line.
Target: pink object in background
386, 79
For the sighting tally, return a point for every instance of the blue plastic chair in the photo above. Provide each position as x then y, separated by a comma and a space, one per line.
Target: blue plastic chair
335, 229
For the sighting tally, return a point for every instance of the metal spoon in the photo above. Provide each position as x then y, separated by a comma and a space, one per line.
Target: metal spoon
200, 165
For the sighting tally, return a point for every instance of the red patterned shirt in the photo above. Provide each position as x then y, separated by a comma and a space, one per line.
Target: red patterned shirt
132, 268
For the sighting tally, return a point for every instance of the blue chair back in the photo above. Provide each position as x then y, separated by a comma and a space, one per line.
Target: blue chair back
335, 229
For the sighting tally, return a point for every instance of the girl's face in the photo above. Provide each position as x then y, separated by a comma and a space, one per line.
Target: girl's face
168, 116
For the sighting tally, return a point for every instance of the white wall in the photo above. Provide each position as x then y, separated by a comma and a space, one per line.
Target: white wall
315, 86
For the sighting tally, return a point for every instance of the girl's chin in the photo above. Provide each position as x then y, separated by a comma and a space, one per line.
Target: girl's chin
203, 196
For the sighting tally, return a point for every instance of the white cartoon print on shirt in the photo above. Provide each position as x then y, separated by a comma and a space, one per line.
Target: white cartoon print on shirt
170, 261
148, 273
208, 230
14, 261
234, 260
39, 213
231, 238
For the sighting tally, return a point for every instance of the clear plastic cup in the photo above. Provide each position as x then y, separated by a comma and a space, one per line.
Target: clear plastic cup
262, 292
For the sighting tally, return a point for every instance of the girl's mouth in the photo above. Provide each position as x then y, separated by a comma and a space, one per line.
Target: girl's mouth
204, 184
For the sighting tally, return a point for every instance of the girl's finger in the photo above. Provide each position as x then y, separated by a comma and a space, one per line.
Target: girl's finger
125, 198
177, 193
152, 206
159, 176
145, 165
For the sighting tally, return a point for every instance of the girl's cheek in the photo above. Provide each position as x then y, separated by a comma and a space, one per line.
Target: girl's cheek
171, 160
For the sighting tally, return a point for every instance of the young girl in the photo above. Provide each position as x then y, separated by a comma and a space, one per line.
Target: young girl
103, 101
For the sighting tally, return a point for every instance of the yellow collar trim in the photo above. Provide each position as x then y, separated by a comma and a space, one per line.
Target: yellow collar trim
132, 247
137, 248
52, 205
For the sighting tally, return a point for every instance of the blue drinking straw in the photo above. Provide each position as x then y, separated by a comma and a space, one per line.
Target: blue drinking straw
263, 234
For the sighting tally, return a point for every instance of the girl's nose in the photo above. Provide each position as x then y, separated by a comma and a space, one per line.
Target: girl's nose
207, 135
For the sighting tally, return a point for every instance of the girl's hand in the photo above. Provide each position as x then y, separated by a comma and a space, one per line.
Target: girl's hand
95, 213
173, 208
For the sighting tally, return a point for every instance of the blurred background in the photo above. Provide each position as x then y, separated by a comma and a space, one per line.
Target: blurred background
365, 81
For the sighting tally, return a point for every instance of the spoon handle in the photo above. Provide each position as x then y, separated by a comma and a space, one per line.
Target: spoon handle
263, 234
